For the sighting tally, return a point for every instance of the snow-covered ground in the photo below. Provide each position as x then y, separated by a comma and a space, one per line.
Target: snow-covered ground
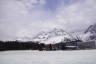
48, 57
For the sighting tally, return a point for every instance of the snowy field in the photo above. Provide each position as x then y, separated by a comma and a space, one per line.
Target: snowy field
48, 57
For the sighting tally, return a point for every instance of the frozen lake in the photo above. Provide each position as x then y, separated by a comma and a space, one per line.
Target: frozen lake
48, 57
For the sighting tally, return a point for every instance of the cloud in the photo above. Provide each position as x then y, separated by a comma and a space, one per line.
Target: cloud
20, 18
31, 3
15, 17
77, 16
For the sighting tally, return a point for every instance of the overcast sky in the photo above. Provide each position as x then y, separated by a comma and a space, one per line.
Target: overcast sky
21, 18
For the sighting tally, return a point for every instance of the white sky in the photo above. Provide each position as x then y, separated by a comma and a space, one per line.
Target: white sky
21, 18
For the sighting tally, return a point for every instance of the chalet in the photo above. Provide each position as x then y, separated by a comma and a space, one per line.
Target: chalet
87, 45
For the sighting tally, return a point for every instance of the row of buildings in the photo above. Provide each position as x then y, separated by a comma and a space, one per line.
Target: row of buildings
72, 45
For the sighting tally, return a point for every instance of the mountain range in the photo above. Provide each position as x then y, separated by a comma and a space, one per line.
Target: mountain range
92, 30
57, 35
53, 36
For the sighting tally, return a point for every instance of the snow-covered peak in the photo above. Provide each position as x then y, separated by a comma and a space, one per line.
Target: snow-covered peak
91, 29
92, 32
53, 36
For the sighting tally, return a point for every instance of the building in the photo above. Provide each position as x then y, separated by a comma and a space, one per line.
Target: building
87, 45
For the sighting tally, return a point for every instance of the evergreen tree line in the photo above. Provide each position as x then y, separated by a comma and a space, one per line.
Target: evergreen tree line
16, 45
30, 45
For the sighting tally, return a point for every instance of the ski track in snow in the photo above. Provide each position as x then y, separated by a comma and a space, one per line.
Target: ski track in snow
48, 57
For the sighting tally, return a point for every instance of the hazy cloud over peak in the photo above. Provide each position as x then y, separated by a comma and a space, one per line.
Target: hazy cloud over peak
21, 18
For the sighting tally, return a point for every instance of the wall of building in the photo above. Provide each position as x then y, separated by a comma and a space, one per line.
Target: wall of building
85, 45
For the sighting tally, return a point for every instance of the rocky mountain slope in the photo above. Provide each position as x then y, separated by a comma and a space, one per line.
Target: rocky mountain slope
92, 30
53, 36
